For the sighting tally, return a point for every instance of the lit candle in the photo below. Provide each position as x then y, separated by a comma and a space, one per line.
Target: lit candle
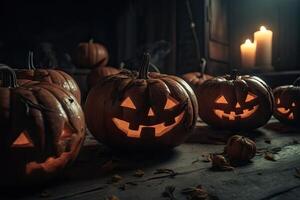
263, 40
248, 54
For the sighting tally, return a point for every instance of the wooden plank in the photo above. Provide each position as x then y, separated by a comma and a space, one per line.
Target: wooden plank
261, 179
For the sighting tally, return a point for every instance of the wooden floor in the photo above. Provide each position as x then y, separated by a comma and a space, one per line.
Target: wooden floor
91, 175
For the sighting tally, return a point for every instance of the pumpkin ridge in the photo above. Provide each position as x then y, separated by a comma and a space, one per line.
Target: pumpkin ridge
49, 136
72, 84
190, 93
54, 91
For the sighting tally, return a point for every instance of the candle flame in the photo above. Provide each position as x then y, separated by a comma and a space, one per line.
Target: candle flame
262, 28
248, 41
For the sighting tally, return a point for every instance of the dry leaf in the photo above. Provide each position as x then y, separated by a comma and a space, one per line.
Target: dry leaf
112, 197
275, 150
269, 156
131, 183
206, 158
169, 192
220, 163
165, 171
196, 193
139, 173
116, 178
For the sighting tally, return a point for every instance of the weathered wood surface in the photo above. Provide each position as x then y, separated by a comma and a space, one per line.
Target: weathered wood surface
90, 176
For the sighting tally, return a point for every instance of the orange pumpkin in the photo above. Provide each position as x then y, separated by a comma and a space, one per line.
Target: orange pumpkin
141, 110
239, 148
287, 103
235, 102
195, 79
90, 55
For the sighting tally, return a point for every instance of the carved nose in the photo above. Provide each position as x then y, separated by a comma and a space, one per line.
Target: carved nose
150, 113
237, 105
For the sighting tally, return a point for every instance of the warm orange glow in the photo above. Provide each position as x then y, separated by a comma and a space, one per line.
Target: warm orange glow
222, 100
232, 115
250, 97
283, 110
238, 105
150, 113
23, 141
171, 102
159, 129
278, 101
293, 104
128, 103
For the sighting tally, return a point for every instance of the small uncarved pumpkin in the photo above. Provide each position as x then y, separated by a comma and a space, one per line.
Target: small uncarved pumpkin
53, 76
235, 102
141, 110
287, 103
240, 149
90, 55
41, 131
195, 79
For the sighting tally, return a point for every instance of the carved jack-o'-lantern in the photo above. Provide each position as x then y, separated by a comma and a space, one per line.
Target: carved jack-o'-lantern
235, 102
140, 110
41, 131
287, 103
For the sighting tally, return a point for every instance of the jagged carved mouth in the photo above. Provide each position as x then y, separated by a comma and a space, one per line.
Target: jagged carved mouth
50, 165
232, 115
158, 129
284, 111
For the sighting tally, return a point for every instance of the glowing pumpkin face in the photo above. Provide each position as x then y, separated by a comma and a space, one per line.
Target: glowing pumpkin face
141, 111
287, 101
238, 112
41, 131
158, 129
235, 102
285, 111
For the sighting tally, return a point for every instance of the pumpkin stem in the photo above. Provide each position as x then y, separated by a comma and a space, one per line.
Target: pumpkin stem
154, 67
8, 76
233, 74
91, 40
144, 69
203, 67
297, 82
30, 61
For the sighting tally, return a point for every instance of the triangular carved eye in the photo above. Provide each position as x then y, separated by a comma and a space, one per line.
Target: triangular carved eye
221, 100
250, 97
128, 103
171, 103
23, 140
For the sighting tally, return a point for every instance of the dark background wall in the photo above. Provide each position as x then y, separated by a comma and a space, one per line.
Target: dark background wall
129, 27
